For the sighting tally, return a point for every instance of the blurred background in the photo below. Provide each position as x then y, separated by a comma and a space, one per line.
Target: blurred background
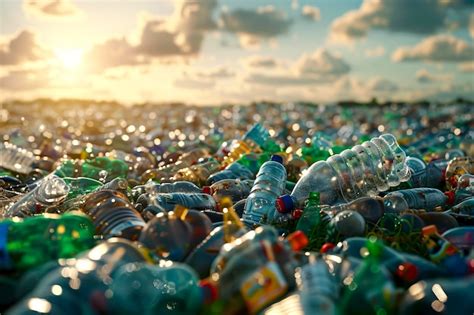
220, 51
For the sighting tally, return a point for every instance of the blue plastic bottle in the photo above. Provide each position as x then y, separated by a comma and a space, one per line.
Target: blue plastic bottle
269, 184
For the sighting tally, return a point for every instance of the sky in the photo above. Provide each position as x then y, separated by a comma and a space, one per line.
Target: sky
223, 51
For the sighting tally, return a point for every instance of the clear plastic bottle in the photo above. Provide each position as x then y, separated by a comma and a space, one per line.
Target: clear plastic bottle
373, 166
269, 184
196, 201
317, 288
415, 198
234, 188
16, 159
179, 186
457, 167
51, 191
431, 175
233, 171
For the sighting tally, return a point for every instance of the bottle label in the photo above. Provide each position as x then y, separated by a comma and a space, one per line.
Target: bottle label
263, 287
5, 262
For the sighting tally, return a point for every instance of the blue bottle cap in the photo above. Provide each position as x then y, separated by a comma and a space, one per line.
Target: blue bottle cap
285, 204
277, 158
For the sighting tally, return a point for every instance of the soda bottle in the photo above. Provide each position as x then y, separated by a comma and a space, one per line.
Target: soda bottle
35, 240
268, 185
50, 192
363, 170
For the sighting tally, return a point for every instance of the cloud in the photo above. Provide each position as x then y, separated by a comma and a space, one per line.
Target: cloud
203, 79
51, 8
424, 76
193, 83
216, 73
23, 48
381, 85
320, 66
20, 80
252, 26
311, 13
375, 52
467, 67
322, 62
419, 17
260, 62
440, 48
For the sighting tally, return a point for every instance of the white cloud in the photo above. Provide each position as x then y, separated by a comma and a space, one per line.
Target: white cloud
19, 80
419, 17
23, 48
322, 62
440, 48
424, 76
260, 62
52, 8
375, 52
311, 13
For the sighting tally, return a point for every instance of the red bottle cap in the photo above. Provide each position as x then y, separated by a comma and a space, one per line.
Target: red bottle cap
297, 240
450, 195
207, 190
407, 272
210, 291
297, 213
326, 247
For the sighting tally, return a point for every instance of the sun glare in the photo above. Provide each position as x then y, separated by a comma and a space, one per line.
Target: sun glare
70, 58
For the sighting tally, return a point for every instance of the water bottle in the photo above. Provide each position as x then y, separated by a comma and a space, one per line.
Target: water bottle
175, 187
113, 214
268, 185
166, 288
373, 166
196, 201
197, 173
50, 191
35, 240
317, 288
79, 285
431, 175
415, 198
16, 159
233, 171
234, 188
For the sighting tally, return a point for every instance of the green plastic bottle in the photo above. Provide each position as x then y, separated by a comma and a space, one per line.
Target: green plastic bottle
81, 186
102, 168
370, 289
35, 240
311, 217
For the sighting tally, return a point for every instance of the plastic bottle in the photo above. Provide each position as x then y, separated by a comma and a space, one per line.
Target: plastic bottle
258, 265
233, 171
295, 168
168, 288
198, 173
79, 285
30, 242
175, 187
50, 191
174, 234
457, 167
370, 288
268, 185
463, 191
363, 170
81, 186
432, 175
100, 168
196, 201
234, 188
16, 159
416, 198
317, 288
442, 295
371, 208
113, 214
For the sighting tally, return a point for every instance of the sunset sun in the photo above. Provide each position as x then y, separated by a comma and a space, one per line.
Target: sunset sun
70, 59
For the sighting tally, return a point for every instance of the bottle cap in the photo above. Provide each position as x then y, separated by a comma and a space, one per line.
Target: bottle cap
277, 158
297, 213
285, 204
451, 196
430, 229
407, 272
297, 240
326, 247
209, 290
207, 190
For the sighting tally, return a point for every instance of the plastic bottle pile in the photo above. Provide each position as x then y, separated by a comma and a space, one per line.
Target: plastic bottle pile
262, 209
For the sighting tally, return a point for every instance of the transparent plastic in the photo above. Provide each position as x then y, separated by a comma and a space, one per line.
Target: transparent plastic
373, 166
